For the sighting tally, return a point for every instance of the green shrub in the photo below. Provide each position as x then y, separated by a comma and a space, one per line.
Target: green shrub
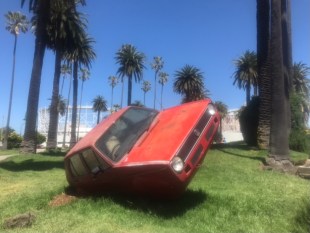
248, 119
299, 141
14, 140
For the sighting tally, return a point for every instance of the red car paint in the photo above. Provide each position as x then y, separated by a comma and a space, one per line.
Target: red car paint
145, 167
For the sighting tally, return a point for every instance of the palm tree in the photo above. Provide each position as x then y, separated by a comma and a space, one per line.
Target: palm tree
113, 81
99, 105
157, 65
41, 10
84, 76
189, 83
62, 30
16, 23
163, 79
279, 135
131, 64
264, 73
116, 107
146, 86
246, 73
62, 106
67, 110
83, 54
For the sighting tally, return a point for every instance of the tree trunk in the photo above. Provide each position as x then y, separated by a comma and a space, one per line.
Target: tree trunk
129, 90
67, 112
7, 128
29, 142
264, 77
79, 121
248, 93
53, 122
279, 144
155, 90
74, 105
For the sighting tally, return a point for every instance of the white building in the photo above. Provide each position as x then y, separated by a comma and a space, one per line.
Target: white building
231, 127
86, 120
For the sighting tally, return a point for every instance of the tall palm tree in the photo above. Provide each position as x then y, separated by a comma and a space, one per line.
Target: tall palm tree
99, 105
113, 81
146, 86
163, 79
41, 11
83, 54
85, 73
67, 110
189, 82
131, 64
264, 73
245, 75
156, 65
62, 29
279, 143
16, 23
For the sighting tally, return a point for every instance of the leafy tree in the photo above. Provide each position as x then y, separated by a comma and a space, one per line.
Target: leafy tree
223, 110
163, 79
246, 73
146, 86
131, 64
189, 83
116, 107
16, 23
62, 106
99, 105
301, 86
137, 103
156, 65
113, 81
40, 138
14, 140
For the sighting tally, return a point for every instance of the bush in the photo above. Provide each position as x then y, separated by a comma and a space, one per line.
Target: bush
298, 141
14, 140
248, 119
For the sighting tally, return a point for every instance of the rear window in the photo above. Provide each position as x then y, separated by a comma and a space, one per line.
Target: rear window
124, 133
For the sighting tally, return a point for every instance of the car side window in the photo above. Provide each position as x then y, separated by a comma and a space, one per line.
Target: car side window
77, 166
87, 162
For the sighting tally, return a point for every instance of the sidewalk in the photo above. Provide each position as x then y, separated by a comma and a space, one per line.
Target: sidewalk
4, 157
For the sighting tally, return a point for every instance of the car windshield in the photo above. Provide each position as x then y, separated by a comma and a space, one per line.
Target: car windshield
124, 133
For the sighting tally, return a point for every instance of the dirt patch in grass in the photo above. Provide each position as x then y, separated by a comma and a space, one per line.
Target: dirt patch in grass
61, 200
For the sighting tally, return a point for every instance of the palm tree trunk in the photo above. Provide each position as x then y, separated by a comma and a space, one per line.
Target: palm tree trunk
248, 93
122, 93
287, 53
67, 111
7, 129
155, 90
78, 131
53, 121
161, 97
29, 142
129, 90
111, 110
98, 117
264, 78
279, 145
74, 105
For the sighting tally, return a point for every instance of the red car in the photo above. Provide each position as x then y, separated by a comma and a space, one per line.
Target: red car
143, 151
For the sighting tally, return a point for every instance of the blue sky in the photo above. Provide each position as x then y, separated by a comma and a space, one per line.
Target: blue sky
208, 34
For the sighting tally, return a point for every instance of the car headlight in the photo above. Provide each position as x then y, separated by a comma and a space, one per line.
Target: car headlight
177, 164
211, 109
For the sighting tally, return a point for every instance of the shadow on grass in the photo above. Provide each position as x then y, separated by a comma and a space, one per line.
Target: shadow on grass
303, 220
31, 165
238, 145
163, 208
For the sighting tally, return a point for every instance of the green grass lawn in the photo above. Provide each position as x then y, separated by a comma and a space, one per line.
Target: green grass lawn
230, 193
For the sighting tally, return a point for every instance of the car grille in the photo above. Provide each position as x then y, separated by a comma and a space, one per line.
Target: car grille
194, 135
